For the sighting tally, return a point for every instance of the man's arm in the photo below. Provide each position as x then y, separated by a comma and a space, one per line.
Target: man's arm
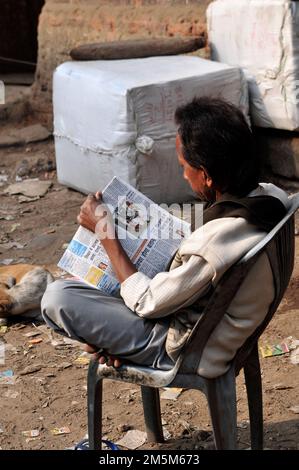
121, 263
168, 291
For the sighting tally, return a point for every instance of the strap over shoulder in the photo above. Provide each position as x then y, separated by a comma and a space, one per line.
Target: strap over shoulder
263, 211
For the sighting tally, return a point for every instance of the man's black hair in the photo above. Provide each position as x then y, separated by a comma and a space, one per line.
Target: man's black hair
216, 136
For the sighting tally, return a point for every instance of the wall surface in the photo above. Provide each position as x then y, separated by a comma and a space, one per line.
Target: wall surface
67, 23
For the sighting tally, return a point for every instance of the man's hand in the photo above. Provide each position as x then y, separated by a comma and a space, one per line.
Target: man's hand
95, 216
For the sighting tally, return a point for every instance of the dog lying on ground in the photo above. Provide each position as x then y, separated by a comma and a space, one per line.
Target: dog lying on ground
21, 289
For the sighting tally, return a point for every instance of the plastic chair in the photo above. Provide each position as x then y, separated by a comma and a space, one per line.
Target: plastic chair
221, 391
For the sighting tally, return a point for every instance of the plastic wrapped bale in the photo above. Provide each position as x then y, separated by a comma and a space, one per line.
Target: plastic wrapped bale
262, 37
116, 118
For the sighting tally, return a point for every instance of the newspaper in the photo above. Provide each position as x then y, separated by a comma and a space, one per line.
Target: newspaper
149, 234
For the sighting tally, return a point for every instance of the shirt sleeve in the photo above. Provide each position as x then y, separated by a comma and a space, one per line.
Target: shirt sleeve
168, 291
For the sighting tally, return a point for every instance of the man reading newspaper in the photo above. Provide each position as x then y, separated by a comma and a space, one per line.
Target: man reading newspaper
153, 317
148, 233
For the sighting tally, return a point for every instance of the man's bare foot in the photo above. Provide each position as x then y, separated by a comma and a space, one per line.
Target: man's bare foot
102, 358
90, 349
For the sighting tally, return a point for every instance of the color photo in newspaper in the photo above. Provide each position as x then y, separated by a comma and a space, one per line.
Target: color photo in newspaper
148, 233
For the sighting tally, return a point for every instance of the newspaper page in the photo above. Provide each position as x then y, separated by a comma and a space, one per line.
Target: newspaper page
149, 234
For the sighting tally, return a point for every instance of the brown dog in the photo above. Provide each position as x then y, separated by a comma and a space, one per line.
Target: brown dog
21, 288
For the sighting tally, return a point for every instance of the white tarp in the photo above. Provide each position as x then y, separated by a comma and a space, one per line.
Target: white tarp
262, 37
116, 118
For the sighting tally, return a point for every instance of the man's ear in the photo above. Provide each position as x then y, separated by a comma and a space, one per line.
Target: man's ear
209, 182
208, 179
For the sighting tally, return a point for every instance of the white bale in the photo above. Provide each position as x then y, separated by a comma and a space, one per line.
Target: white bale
116, 118
261, 36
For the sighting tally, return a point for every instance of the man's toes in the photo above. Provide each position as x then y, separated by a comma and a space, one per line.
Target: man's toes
110, 361
102, 360
117, 363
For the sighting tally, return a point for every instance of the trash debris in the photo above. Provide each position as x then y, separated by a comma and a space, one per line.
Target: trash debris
44, 164
70, 342
166, 434
7, 261
35, 341
291, 342
3, 178
65, 365
3, 329
171, 393
3, 321
274, 350
7, 377
7, 217
18, 327
56, 343
294, 357
27, 210
187, 427
60, 431
83, 359
14, 227
23, 199
30, 188
31, 433
132, 439
23, 169
124, 427
31, 439
281, 387
7, 246
295, 409
243, 425
31, 334
2, 181
10, 394
31, 369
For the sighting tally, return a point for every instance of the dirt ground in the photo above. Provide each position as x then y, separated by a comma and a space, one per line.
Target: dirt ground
49, 389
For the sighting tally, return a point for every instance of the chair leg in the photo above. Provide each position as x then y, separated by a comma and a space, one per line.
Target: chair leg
152, 414
221, 396
253, 382
94, 406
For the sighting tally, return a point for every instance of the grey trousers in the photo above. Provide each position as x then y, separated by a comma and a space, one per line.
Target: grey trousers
78, 311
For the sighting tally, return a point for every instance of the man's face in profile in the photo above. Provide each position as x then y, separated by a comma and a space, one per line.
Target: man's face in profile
197, 178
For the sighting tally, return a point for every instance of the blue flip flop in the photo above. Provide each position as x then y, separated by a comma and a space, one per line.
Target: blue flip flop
84, 445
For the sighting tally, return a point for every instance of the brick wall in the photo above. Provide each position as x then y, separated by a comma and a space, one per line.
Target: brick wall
67, 23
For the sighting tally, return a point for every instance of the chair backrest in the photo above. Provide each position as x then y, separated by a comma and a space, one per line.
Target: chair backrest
279, 245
